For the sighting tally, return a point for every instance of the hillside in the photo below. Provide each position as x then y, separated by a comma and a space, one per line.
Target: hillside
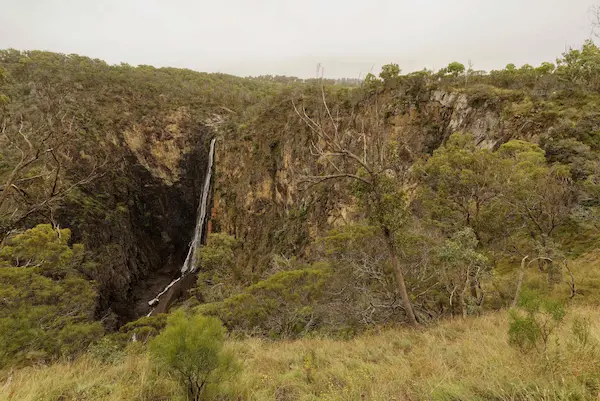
458, 360
431, 235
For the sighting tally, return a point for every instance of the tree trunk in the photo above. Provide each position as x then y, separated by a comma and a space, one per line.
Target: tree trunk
519, 283
463, 303
460, 297
473, 288
399, 276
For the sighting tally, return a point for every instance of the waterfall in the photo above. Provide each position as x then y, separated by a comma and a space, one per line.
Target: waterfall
189, 265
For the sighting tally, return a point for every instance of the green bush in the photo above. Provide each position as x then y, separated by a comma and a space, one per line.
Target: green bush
47, 308
144, 328
216, 268
107, 350
192, 349
284, 305
531, 327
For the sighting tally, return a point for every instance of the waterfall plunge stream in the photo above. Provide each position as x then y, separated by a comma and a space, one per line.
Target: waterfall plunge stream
189, 266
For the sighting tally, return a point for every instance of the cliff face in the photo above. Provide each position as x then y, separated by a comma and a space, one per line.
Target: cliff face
259, 196
138, 218
143, 131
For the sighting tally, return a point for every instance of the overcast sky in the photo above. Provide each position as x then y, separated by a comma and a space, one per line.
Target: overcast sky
254, 37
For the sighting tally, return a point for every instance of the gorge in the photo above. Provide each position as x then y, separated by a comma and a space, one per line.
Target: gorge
182, 284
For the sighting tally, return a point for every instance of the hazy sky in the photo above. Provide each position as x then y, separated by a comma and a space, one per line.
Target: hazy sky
349, 37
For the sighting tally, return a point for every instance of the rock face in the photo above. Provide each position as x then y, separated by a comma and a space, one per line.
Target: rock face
138, 219
258, 194
483, 122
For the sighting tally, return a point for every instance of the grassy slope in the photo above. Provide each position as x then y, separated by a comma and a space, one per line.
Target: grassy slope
461, 359
453, 360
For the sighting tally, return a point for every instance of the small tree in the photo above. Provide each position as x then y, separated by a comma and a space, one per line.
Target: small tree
191, 348
531, 327
462, 187
455, 69
390, 74
216, 267
462, 267
47, 305
380, 175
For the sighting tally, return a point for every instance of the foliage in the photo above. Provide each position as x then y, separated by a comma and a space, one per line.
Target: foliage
43, 247
461, 188
217, 270
462, 267
143, 328
390, 74
509, 193
542, 195
285, 304
47, 307
532, 328
192, 349
455, 69
107, 350
581, 68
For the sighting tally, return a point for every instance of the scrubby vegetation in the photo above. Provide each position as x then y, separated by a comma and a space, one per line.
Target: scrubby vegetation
460, 359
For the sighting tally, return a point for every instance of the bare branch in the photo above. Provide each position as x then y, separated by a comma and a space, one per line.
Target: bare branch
335, 126
519, 282
24, 136
572, 282
315, 180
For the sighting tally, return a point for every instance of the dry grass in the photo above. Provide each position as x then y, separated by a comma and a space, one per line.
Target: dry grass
455, 360
85, 379
587, 278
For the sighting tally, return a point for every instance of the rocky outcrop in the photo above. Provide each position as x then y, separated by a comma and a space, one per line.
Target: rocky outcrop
482, 121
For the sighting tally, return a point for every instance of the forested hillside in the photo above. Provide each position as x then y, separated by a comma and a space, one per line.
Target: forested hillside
462, 204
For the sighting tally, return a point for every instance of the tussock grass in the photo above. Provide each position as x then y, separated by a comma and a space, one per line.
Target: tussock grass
455, 360
131, 378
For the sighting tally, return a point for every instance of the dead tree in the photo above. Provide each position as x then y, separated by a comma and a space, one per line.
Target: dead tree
38, 152
333, 145
522, 276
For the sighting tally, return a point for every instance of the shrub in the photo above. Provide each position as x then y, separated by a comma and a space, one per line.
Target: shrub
192, 349
284, 305
144, 328
581, 329
46, 307
216, 267
107, 350
531, 327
